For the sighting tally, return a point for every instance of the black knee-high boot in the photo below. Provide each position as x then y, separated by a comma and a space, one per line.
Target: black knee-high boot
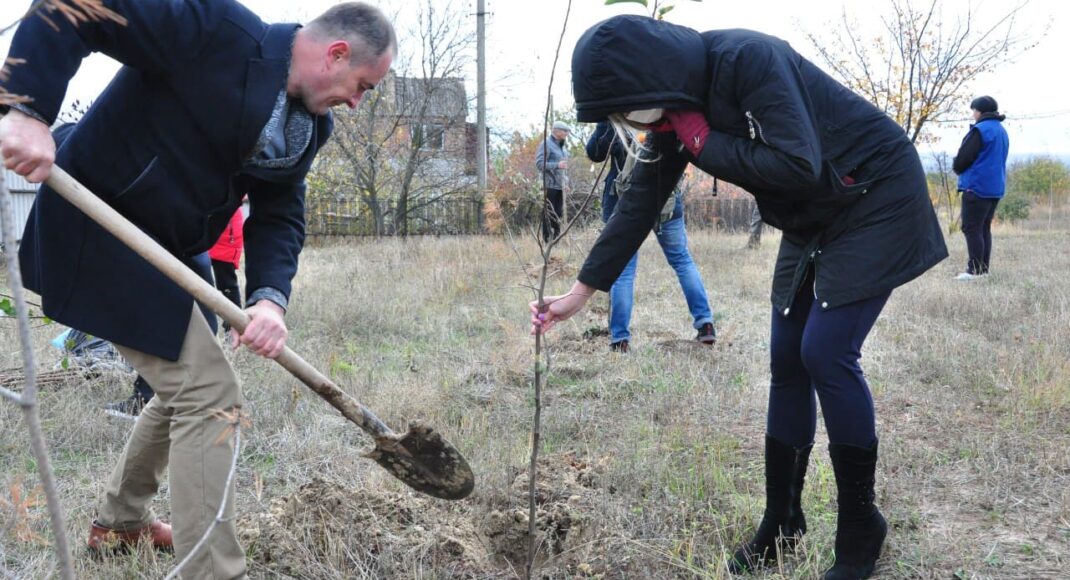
860, 527
783, 522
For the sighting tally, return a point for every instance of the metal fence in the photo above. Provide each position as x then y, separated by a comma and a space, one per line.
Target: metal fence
726, 214
464, 216
22, 196
351, 217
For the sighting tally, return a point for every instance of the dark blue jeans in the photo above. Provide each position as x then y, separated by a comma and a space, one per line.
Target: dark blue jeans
977, 214
813, 350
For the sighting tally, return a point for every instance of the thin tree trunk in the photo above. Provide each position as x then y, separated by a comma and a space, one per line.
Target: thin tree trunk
28, 399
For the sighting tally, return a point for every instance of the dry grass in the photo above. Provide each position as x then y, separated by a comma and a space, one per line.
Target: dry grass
972, 384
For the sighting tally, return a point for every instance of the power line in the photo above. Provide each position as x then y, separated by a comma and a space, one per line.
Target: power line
1026, 117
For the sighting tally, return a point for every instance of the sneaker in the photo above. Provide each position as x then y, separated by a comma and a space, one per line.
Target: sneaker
619, 346
128, 409
966, 276
706, 334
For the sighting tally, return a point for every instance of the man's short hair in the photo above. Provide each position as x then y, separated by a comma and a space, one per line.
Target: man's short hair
363, 26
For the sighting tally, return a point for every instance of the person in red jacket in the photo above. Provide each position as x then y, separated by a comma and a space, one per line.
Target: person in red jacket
226, 257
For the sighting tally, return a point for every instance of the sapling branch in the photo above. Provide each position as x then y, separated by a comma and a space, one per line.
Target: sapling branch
28, 398
236, 420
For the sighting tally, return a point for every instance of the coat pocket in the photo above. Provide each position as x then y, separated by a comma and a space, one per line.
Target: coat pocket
141, 178
157, 204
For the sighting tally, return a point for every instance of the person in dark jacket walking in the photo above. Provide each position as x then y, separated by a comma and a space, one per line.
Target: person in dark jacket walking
671, 234
211, 103
834, 174
981, 165
551, 160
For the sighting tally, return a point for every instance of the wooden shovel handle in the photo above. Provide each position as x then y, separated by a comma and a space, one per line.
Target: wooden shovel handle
202, 291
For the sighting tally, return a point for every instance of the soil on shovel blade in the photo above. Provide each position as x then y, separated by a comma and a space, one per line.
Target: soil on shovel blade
325, 528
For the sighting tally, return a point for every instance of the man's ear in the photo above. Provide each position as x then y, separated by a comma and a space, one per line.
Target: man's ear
339, 50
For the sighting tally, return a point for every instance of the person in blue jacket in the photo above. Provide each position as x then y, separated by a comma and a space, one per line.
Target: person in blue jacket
836, 175
671, 234
211, 103
981, 165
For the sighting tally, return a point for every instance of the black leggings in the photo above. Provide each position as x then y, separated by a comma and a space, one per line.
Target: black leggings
977, 215
814, 350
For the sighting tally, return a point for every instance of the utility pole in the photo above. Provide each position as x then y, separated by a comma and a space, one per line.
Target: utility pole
481, 97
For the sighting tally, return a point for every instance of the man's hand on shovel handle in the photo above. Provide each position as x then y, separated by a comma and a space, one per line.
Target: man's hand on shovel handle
26, 145
266, 333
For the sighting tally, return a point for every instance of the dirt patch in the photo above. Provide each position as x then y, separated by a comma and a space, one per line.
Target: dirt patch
686, 346
555, 268
569, 493
325, 529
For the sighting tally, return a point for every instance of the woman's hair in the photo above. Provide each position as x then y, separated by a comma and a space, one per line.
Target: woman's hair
633, 144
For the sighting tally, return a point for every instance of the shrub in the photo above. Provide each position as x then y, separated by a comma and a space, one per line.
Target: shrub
1013, 208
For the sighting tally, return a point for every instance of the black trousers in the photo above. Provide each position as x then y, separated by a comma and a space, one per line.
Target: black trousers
552, 212
977, 214
226, 280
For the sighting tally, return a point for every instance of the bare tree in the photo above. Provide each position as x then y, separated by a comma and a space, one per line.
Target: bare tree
919, 69
943, 185
28, 398
406, 146
75, 12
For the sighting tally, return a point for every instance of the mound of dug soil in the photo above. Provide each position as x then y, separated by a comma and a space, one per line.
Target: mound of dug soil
327, 530
569, 497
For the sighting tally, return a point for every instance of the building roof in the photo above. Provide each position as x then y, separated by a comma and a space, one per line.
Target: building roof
443, 97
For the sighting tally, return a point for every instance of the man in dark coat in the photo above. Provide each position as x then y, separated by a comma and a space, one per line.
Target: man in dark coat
211, 103
830, 170
981, 165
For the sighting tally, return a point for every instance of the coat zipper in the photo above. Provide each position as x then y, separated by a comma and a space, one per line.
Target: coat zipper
813, 260
752, 122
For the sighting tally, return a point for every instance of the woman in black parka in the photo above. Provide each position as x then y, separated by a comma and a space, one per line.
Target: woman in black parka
835, 174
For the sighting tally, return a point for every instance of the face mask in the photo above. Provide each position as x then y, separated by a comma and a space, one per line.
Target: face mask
645, 116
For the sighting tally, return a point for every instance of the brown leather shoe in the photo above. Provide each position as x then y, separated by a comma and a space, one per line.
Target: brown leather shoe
103, 539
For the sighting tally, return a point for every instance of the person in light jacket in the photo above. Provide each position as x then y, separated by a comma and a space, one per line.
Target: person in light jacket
551, 160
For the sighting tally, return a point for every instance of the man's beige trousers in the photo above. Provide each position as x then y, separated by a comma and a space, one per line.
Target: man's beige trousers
179, 423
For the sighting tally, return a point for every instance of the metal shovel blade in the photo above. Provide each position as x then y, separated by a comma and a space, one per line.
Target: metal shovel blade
425, 461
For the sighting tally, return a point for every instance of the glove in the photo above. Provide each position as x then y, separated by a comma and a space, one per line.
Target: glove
690, 127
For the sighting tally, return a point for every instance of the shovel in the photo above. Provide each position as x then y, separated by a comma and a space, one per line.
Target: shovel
421, 457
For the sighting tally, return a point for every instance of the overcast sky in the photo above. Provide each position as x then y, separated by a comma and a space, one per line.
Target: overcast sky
1033, 91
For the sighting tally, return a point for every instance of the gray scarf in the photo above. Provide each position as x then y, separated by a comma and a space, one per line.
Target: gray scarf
285, 137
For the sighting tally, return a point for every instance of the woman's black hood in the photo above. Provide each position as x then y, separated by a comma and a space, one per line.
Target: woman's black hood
629, 63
